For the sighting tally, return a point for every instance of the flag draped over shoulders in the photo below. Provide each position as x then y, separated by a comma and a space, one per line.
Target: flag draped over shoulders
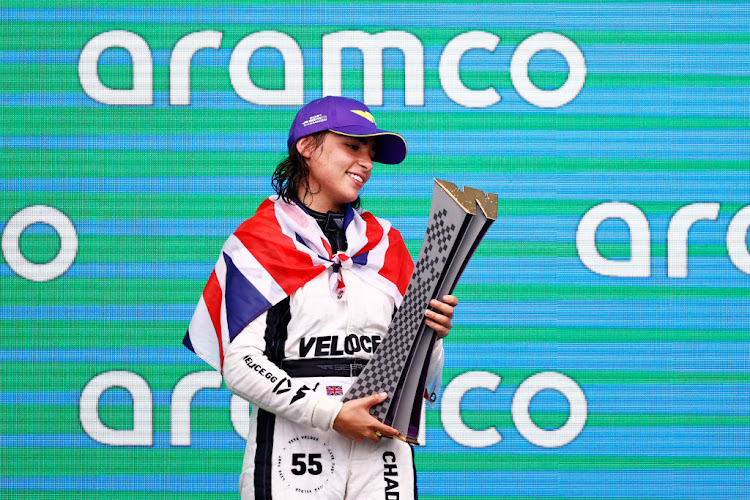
278, 250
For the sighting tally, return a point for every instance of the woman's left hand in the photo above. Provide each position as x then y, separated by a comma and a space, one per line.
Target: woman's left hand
439, 317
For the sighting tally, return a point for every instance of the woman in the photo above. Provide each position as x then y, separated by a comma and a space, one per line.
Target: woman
301, 297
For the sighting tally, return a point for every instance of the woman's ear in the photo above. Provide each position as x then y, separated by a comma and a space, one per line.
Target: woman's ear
303, 147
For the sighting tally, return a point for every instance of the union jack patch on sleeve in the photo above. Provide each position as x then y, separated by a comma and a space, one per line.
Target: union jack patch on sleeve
334, 390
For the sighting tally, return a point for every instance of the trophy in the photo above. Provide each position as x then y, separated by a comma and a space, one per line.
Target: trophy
458, 221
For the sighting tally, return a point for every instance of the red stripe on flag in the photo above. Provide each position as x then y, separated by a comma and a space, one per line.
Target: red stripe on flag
212, 296
374, 232
397, 265
275, 251
327, 247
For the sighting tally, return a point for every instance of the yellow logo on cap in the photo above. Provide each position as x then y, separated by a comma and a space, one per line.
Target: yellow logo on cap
364, 114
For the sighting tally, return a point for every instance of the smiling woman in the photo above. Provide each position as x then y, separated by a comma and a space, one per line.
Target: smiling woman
339, 168
303, 293
333, 143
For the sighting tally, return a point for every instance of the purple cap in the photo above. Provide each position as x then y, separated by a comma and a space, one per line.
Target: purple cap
346, 117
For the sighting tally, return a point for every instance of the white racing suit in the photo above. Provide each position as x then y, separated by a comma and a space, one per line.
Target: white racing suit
293, 363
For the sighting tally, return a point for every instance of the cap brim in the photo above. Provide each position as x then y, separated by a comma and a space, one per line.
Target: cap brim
390, 147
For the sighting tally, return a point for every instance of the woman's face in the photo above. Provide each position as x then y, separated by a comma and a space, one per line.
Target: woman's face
339, 168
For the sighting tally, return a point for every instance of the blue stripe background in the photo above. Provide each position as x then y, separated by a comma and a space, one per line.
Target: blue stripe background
675, 442
603, 186
717, 145
678, 314
679, 17
702, 272
718, 102
673, 485
662, 356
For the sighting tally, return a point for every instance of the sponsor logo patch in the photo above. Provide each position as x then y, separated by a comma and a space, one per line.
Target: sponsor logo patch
315, 119
390, 476
334, 345
305, 464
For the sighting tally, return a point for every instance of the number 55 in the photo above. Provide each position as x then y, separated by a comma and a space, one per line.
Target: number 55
313, 464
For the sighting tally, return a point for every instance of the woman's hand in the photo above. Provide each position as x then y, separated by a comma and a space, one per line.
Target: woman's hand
355, 422
440, 318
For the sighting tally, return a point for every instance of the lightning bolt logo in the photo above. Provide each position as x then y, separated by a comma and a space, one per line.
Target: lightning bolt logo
364, 114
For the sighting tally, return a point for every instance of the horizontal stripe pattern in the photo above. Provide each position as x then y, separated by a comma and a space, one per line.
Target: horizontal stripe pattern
599, 186
685, 484
563, 271
673, 314
512, 228
723, 145
622, 102
664, 356
686, 16
153, 191
677, 442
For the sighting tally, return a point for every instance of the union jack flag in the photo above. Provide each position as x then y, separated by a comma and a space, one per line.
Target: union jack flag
277, 251
334, 390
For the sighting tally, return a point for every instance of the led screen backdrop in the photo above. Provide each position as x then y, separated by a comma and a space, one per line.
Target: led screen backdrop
602, 346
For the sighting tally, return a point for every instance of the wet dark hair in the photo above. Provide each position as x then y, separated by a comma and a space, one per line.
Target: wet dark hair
293, 173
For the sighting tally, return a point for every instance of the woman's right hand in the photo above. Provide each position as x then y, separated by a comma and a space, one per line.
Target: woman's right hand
355, 422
